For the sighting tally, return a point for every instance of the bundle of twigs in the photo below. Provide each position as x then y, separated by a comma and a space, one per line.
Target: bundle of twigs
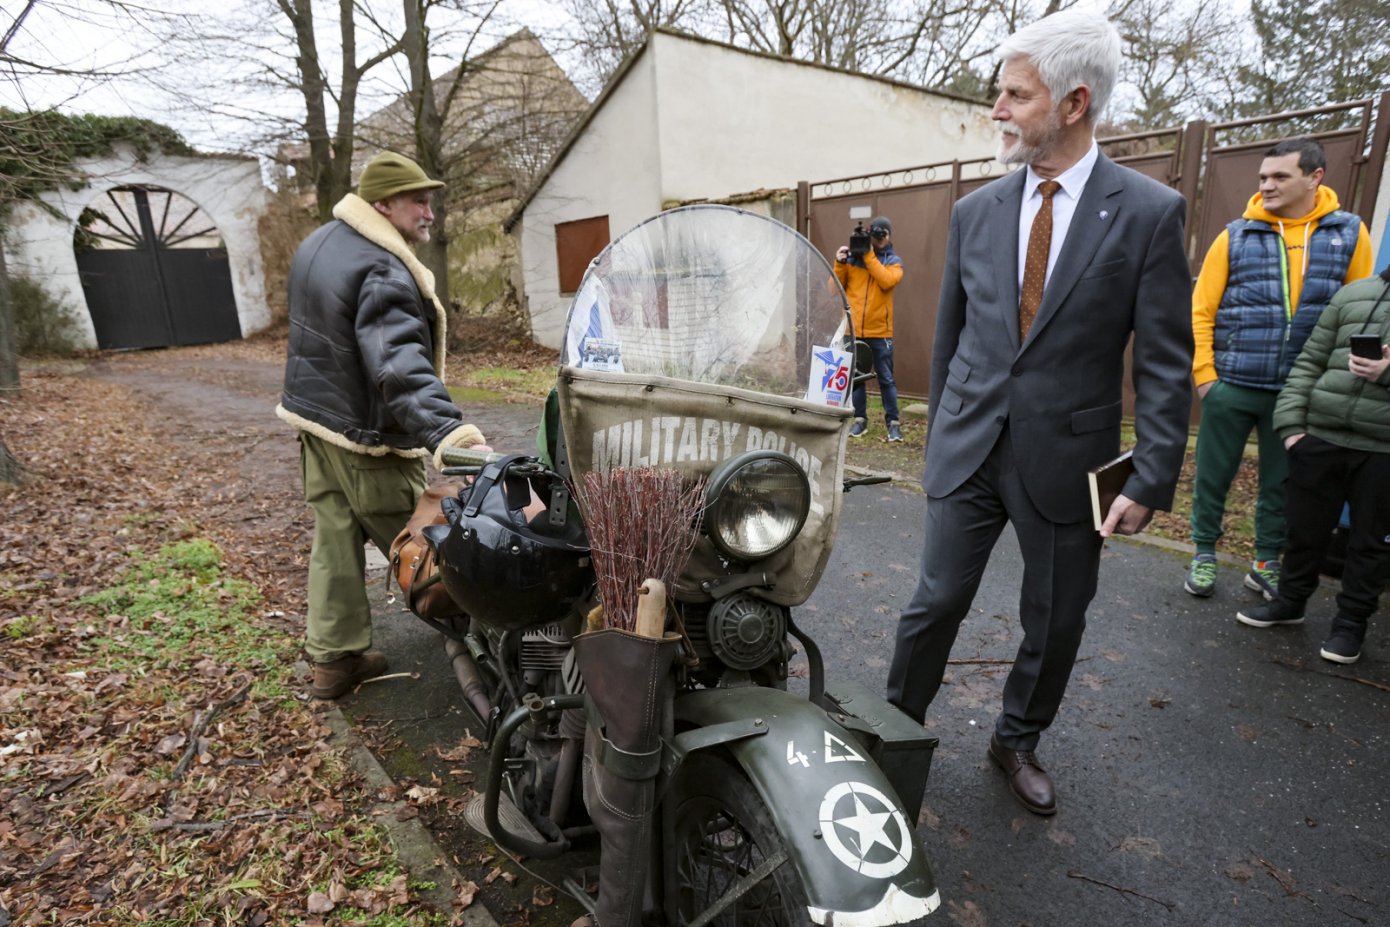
642, 524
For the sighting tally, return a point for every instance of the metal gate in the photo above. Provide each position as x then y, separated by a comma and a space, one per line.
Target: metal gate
1215, 166
154, 271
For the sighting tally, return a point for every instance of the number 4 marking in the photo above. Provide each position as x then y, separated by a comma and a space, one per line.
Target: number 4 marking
794, 756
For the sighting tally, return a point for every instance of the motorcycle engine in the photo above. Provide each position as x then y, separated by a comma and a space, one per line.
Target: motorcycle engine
741, 631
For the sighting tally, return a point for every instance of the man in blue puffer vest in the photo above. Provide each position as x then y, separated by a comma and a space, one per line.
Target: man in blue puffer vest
1263, 284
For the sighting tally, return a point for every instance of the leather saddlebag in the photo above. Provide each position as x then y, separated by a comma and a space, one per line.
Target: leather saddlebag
412, 559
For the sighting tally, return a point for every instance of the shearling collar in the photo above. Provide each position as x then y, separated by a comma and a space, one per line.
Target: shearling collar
376, 228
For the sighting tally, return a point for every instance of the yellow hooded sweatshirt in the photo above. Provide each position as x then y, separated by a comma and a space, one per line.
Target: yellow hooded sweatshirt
1211, 282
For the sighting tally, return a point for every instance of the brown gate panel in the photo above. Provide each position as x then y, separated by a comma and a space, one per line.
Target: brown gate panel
1233, 176
920, 215
1217, 186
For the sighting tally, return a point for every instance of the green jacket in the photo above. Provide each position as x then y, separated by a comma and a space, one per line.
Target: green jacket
1325, 399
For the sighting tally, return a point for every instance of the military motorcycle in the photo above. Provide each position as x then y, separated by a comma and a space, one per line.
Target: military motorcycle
714, 342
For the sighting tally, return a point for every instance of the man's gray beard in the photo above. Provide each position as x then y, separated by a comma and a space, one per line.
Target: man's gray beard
1024, 153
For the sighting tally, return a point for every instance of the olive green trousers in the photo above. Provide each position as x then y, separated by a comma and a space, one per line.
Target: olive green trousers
355, 498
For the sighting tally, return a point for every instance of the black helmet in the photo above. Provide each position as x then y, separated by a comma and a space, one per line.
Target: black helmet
515, 557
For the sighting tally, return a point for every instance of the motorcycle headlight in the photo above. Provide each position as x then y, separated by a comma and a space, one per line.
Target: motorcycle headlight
755, 504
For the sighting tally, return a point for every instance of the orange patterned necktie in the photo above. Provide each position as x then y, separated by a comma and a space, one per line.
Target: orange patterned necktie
1035, 264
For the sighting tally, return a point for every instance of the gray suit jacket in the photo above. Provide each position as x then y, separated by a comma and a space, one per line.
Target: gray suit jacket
1122, 269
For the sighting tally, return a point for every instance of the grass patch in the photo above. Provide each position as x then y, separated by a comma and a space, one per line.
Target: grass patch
524, 384
21, 627
178, 600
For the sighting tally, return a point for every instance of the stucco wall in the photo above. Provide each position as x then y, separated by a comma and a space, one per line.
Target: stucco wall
613, 169
732, 122
695, 120
228, 189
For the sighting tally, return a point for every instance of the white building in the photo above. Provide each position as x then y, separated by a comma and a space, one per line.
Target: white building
686, 118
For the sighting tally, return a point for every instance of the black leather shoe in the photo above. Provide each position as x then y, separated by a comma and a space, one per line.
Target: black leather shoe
1029, 782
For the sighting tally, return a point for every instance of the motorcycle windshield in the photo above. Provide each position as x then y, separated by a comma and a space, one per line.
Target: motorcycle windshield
701, 335
717, 296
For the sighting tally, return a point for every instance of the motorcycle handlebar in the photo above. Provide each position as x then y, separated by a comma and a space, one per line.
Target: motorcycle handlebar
467, 457
866, 481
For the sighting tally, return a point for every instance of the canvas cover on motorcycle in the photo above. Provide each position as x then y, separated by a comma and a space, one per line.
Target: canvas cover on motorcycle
614, 419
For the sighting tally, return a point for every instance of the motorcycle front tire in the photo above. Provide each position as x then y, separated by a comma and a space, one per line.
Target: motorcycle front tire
723, 831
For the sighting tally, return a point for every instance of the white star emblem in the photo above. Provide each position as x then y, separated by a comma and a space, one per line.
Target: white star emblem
869, 827
867, 830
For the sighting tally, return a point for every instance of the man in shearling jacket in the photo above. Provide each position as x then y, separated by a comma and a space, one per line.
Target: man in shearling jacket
1334, 418
362, 385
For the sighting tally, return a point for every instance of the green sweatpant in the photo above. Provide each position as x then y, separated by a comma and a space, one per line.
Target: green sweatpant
355, 498
1229, 414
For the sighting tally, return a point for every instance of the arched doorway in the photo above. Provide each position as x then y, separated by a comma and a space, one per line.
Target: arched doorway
154, 270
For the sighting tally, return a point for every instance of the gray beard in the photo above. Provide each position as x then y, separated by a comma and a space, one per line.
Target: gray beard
1025, 153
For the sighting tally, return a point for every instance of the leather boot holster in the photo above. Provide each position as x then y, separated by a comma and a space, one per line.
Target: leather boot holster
629, 686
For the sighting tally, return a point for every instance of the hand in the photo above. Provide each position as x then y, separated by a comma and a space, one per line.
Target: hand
1205, 388
1368, 368
1125, 517
842, 254
1291, 440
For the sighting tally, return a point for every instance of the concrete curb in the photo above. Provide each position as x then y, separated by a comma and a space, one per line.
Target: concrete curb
415, 846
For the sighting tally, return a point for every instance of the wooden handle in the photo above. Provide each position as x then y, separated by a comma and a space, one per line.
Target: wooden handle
651, 609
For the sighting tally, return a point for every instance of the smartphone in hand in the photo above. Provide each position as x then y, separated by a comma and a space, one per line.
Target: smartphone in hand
1367, 346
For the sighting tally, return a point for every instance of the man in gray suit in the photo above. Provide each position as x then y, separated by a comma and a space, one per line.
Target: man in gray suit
1048, 273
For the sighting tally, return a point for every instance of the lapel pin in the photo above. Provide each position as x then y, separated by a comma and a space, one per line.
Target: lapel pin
1105, 214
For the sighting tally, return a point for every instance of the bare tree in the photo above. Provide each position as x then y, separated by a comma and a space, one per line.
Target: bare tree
485, 126
605, 32
1173, 56
330, 153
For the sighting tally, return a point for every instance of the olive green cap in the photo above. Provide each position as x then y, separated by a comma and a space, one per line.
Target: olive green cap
388, 174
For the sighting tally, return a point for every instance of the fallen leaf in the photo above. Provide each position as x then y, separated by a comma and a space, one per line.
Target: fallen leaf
1146, 847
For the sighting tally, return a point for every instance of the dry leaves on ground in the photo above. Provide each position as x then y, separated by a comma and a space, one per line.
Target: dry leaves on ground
147, 772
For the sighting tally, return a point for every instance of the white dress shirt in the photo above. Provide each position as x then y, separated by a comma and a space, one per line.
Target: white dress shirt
1073, 181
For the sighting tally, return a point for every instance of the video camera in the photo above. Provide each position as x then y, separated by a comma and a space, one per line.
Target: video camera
859, 241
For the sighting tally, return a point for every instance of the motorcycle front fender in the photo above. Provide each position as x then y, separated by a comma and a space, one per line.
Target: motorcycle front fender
839, 818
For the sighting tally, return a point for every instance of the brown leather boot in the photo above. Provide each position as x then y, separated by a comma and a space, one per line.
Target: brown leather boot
628, 679
334, 678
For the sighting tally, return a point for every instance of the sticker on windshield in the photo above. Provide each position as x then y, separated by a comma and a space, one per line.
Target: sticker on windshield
602, 354
829, 381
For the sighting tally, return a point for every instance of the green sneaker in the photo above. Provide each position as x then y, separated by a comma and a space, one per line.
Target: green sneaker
1201, 575
1264, 578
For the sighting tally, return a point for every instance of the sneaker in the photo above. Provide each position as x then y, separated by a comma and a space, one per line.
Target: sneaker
894, 432
1273, 614
334, 678
1201, 575
1264, 578
858, 428
1343, 644
1342, 647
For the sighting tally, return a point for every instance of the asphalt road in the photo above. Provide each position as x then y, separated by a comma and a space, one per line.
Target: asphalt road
1208, 773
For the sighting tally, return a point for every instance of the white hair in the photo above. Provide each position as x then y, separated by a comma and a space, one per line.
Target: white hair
1070, 48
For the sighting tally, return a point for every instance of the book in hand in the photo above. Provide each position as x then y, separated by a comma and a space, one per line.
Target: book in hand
1108, 481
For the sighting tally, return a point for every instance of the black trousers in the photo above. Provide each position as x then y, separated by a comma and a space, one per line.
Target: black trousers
1061, 563
1322, 477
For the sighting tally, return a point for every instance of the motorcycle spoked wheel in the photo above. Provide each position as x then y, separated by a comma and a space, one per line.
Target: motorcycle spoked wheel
723, 831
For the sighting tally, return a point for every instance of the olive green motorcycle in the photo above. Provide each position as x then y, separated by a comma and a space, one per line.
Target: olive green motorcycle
726, 780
